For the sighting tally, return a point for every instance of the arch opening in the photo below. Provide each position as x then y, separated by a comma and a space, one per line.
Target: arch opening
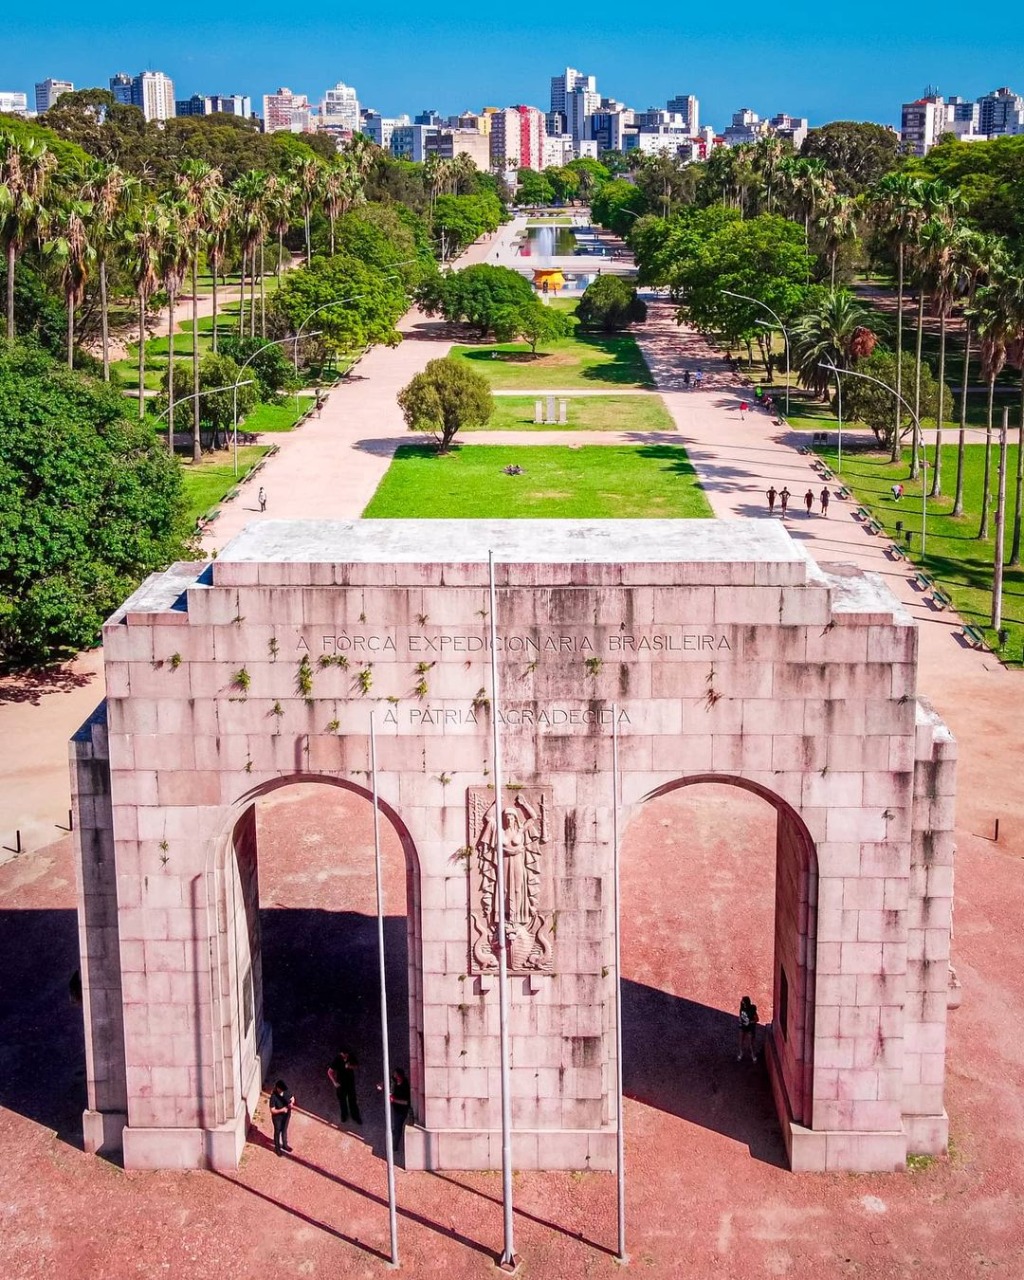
298, 942
719, 894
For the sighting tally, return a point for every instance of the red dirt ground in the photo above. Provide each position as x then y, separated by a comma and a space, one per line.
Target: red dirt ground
707, 1193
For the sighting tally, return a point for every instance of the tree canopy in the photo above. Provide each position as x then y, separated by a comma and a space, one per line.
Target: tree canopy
610, 304
89, 504
477, 295
856, 152
352, 304
445, 397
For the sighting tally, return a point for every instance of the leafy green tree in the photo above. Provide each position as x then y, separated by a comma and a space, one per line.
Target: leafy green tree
88, 506
873, 405
459, 220
989, 175
353, 304
540, 324
25, 168
447, 396
610, 304
68, 244
618, 205
477, 295
665, 183
268, 363
221, 394
856, 153
565, 183
534, 188
661, 246
390, 237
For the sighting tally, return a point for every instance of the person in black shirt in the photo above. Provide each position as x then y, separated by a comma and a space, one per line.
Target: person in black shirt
400, 1102
342, 1074
281, 1103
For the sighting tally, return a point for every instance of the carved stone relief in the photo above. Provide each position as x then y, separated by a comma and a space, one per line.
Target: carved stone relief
525, 818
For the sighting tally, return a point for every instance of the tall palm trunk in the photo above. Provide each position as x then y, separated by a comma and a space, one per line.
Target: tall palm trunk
263, 295
936, 488
104, 320
142, 357
10, 291
1018, 490
305, 219
958, 497
987, 474
241, 298
332, 235
71, 330
834, 255
897, 452
918, 445
197, 440
170, 375
214, 267
280, 250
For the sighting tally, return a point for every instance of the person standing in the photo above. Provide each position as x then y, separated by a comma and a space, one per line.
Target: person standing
743, 411
686, 379
825, 495
897, 492
771, 495
748, 1029
262, 498
400, 1098
698, 378
281, 1103
809, 500
342, 1074
784, 497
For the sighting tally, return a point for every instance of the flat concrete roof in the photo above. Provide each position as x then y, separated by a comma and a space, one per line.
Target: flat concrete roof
513, 541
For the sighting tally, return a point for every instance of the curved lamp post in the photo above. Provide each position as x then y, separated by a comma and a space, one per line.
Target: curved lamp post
274, 342
785, 332
854, 373
231, 386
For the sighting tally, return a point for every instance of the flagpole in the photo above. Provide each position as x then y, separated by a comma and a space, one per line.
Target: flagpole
620, 1149
389, 1141
509, 1261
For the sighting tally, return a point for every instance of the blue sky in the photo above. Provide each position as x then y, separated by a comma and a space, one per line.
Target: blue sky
802, 58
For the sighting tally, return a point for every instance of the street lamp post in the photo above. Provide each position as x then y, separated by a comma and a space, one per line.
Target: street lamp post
230, 386
854, 373
785, 332
238, 383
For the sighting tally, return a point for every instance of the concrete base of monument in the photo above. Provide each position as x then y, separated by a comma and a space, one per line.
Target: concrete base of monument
220, 1148
927, 1135
101, 1131
549, 1149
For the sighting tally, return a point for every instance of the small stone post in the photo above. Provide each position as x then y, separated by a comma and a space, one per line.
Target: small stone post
563, 416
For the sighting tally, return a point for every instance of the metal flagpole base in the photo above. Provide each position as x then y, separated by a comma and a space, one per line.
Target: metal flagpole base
509, 1263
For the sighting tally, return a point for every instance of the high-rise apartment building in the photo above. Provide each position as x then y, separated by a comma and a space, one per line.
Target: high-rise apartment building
13, 103
517, 138
687, 106
285, 111
561, 87
410, 141
999, 112
580, 104
151, 91
212, 104
380, 129
339, 108
449, 143
194, 106
792, 129
48, 91
923, 122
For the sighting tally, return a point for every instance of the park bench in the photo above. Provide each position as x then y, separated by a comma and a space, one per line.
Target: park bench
843, 491
230, 497
924, 580
940, 597
974, 637
208, 517
874, 525
826, 473
896, 551
804, 449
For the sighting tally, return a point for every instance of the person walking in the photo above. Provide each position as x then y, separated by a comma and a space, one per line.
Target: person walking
698, 378
825, 495
748, 1029
686, 379
784, 497
809, 500
342, 1074
743, 411
771, 495
400, 1099
281, 1103
262, 499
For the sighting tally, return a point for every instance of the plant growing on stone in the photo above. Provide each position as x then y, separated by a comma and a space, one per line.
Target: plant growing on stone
420, 688
304, 678
364, 679
333, 726
481, 700
175, 661
272, 648
242, 680
593, 665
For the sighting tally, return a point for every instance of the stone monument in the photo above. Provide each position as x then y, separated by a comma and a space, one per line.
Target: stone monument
720, 651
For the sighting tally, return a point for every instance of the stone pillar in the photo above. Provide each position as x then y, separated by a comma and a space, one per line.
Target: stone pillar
562, 414
538, 411
550, 416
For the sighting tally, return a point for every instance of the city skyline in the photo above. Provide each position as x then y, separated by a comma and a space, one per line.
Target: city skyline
507, 59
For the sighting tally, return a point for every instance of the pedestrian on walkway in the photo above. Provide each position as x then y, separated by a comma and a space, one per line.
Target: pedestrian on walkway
686, 379
698, 378
743, 411
401, 1104
342, 1074
748, 1029
784, 497
809, 500
281, 1103
771, 495
319, 402
825, 495
262, 498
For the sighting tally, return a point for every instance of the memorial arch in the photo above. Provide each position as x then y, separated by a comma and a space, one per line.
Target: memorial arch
718, 650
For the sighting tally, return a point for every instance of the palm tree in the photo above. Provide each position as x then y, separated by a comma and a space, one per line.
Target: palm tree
307, 174
897, 201
836, 219
1012, 300
341, 190
67, 242
938, 277
805, 182
280, 203
990, 325
976, 254
999, 317
173, 255
25, 167
141, 241
769, 155
824, 334
112, 194
363, 153
195, 182
251, 228
220, 214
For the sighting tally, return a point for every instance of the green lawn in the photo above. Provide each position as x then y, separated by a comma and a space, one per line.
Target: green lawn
207, 482
549, 222
558, 482
580, 361
586, 413
955, 558
806, 414
281, 416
